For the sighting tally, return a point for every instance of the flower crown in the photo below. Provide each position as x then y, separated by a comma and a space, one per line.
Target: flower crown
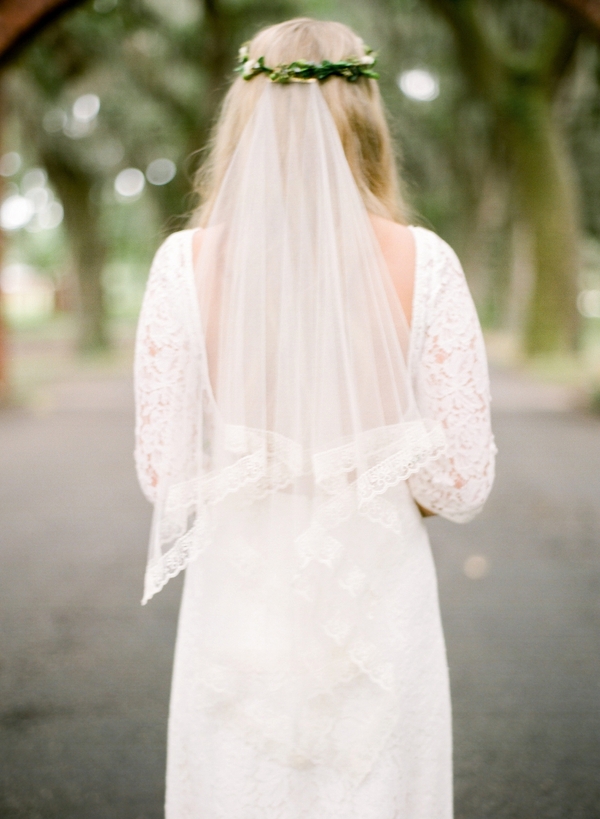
304, 71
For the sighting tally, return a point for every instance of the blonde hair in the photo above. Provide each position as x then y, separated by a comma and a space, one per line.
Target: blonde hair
356, 108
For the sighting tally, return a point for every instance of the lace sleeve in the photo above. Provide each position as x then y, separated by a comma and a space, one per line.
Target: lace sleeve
452, 386
159, 365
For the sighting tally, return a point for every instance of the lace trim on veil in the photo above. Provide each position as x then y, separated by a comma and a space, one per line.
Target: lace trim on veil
271, 464
316, 734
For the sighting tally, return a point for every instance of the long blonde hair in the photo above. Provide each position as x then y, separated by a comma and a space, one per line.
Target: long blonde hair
356, 108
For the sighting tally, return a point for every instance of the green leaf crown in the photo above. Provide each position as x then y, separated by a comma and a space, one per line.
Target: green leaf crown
351, 69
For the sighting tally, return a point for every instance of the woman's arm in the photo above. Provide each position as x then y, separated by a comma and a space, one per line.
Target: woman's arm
159, 365
453, 388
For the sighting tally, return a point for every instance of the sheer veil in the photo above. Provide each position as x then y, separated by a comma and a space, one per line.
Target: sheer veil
287, 479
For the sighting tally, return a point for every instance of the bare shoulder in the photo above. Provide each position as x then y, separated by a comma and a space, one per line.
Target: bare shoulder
398, 248
393, 233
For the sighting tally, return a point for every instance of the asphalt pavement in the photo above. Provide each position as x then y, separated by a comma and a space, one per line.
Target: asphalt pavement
85, 670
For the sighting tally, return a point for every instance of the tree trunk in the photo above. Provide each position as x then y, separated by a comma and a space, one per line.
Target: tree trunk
20, 21
547, 198
89, 250
4, 385
519, 90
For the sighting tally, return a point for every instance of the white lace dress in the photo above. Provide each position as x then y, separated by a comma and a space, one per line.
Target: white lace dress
213, 772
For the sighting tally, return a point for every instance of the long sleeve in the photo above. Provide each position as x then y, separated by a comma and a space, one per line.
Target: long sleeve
159, 367
452, 386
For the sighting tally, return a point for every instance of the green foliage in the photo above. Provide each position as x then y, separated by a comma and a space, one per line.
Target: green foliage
161, 67
303, 70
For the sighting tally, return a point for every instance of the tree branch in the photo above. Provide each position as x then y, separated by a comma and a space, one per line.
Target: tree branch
556, 51
20, 22
481, 61
488, 63
584, 13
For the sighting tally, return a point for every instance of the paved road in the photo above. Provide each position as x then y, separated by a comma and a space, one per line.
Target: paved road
84, 670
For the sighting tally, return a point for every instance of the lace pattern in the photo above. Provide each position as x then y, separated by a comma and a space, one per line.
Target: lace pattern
449, 368
213, 767
162, 349
448, 466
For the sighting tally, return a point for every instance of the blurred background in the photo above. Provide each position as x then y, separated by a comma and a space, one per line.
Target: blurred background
105, 109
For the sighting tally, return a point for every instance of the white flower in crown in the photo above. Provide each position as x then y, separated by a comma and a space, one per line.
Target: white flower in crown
243, 53
368, 59
249, 67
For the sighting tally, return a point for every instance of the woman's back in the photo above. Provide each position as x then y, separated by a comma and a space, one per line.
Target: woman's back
398, 248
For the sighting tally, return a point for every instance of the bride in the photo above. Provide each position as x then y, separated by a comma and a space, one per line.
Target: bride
310, 382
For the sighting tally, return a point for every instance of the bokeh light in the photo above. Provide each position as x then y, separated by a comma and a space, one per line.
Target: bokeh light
86, 108
419, 84
588, 303
15, 212
10, 163
476, 567
130, 183
39, 197
35, 178
51, 217
160, 171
